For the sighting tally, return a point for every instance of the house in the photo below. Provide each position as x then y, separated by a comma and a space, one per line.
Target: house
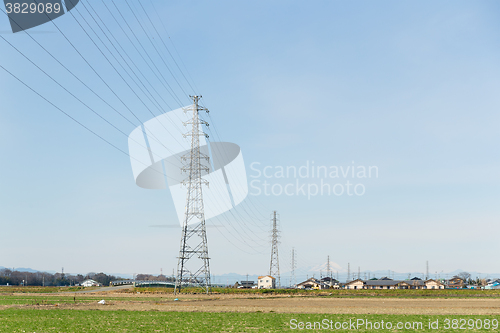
417, 283
386, 284
433, 284
455, 283
393, 284
493, 285
266, 282
313, 283
90, 283
331, 282
355, 284
382, 283
246, 284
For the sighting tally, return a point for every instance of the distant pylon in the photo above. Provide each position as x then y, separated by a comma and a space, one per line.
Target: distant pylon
293, 281
193, 267
274, 268
328, 270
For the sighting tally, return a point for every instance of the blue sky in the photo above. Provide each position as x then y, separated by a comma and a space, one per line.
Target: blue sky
409, 87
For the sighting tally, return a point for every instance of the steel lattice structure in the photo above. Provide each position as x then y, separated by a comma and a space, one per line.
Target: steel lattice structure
274, 268
328, 268
293, 281
193, 266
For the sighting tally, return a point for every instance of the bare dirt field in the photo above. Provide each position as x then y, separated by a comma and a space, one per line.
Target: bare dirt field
280, 304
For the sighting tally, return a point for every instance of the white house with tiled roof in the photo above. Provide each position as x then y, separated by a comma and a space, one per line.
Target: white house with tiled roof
266, 282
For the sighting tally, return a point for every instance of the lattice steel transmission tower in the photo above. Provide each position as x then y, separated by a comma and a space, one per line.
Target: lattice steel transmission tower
193, 266
293, 281
274, 268
328, 268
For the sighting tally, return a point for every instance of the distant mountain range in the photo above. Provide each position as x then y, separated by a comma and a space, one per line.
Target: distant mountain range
29, 270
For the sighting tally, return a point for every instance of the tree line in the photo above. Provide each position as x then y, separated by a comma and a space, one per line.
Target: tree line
17, 278
149, 277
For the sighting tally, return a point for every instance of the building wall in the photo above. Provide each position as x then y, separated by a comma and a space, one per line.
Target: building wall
309, 285
266, 283
433, 285
355, 285
402, 285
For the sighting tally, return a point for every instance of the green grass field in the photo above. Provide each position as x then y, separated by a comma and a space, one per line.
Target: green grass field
399, 293
36, 289
18, 314
56, 320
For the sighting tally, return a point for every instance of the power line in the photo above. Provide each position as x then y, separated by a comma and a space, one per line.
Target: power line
65, 113
164, 44
109, 87
149, 38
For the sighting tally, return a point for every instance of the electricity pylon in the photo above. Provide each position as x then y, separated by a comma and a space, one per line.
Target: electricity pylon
293, 281
328, 270
274, 268
193, 267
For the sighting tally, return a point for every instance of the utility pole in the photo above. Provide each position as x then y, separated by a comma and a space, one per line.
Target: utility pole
359, 272
293, 281
274, 267
427, 270
194, 248
348, 272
